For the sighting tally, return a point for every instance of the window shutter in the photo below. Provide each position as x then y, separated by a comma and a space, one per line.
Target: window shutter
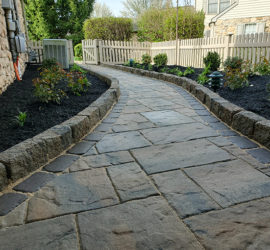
240, 29
260, 27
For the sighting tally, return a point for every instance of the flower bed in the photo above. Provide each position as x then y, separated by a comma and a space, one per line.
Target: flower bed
29, 155
40, 116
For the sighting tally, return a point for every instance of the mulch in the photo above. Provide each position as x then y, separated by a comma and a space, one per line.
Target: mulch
40, 116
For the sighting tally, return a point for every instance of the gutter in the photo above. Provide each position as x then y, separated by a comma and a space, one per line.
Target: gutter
215, 18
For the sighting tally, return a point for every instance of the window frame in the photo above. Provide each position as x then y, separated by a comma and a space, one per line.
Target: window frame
218, 7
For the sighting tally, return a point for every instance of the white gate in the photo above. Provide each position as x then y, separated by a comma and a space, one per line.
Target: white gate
90, 51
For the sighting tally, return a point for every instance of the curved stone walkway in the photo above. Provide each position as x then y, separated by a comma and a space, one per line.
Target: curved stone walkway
160, 172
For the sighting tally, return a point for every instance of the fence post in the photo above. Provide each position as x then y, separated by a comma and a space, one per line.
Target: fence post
227, 47
83, 50
178, 52
96, 54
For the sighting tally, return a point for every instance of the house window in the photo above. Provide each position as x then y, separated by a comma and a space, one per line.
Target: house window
250, 28
212, 6
224, 4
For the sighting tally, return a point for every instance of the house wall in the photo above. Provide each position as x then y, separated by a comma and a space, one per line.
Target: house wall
230, 26
7, 74
248, 8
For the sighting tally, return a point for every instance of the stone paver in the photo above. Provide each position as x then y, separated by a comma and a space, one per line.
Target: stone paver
261, 154
70, 193
15, 217
34, 183
183, 194
167, 117
102, 160
231, 182
121, 141
243, 142
159, 172
145, 224
246, 226
167, 157
10, 201
61, 163
131, 182
178, 133
59, 233
81, 148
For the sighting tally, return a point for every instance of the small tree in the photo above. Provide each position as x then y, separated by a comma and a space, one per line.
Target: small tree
57, 19
190, 24
108, 28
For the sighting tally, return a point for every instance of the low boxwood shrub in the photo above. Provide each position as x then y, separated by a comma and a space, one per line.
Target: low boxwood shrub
146, 59
212, 59
262, 68
233, 63
161, 60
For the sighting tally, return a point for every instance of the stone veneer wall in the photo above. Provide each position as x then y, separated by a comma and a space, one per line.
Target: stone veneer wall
225, 27
7, 74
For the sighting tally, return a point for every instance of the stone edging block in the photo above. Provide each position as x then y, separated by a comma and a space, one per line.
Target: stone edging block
29, 155
248, 123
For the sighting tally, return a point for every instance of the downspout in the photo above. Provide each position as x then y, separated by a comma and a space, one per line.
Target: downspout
12, 26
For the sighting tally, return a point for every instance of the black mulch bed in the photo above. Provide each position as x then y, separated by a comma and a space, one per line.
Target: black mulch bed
40, 116
253, 98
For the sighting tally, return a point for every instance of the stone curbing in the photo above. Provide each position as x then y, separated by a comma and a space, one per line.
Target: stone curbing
248, 123
29, 155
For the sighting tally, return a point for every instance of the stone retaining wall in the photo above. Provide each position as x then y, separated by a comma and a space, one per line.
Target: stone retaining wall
7, 74
248, 123
31, 154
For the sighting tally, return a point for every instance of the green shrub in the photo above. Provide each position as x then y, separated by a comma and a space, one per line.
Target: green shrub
262, 68
236, 78
189, 71
180, 73
49, 63
233, 63
20, 119
146, 59
203, 79
77, 68
46, 85
78, 51
163, 28
161, 60
77, 83
108, 28
212, 59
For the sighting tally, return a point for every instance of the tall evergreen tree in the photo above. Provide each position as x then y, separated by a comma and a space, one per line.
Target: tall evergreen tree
57, 18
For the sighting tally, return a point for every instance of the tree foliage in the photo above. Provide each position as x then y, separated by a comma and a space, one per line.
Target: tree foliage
134, 8
108, 28
190, 24
57, 18
101, 10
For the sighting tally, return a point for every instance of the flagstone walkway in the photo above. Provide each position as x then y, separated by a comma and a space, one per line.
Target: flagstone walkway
160, 172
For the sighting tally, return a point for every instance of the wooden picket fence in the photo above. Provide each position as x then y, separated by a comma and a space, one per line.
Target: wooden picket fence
37, 46
190, 51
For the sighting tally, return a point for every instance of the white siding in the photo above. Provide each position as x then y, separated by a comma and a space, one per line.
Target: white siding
248, 8
199, 5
